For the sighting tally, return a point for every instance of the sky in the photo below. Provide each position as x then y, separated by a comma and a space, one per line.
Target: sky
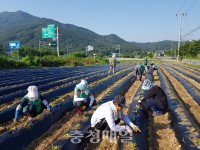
132, 20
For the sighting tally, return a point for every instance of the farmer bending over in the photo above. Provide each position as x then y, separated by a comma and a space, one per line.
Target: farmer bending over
32, 103
108, 115
139, 70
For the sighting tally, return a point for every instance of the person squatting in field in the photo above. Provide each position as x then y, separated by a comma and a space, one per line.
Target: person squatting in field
83, 97
32, 103
139, 70
108, 115
112, 63
154, 98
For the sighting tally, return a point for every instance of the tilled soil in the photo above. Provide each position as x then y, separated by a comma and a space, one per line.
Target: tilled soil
64, 124
23, 121
188, 101
161, 135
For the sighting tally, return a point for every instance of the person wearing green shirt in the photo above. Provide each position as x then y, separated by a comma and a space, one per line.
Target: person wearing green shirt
83, 97
139, 70
32, 103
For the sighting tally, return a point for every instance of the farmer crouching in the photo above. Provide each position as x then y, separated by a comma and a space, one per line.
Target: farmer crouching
154, 98
32, 103
108, 115
83, 97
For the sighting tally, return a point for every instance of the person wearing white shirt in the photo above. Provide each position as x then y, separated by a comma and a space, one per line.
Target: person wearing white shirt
108, 115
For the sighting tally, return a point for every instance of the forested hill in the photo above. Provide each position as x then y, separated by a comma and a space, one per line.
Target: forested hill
27, 29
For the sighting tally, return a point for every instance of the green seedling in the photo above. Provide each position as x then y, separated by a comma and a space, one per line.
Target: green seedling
137, 108
197, 141
84, 118
133, 145
192, 130
13, 128
67, 135
55, 147
77, 126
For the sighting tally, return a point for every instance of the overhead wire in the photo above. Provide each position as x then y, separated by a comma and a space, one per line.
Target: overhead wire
187, 23
194, 3
180, 10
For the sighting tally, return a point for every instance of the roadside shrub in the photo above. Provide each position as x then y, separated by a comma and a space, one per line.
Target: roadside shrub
29, 60
76, 55
51, 61
90, 61
6, 62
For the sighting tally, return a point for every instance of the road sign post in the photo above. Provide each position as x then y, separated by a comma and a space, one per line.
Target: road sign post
14, 45
48, 32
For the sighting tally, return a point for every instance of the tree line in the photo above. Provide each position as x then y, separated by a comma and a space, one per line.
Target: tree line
188, 49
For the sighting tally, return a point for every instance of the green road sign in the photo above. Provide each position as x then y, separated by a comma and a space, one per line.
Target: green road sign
48, 32
53, 44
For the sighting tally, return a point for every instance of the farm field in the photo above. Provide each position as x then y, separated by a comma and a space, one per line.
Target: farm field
177, 129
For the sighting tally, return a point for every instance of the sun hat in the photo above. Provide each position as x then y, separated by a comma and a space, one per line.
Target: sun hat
155, 67
83, 85
32, 92
147, 84
120, 100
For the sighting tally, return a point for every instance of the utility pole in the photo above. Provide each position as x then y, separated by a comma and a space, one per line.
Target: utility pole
180, 29
57, 41
118, 48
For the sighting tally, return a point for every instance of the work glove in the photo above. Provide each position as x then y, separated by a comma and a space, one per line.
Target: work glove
16, 115
135, 128
89, 108
85, 100
48, 108
15, 120
139, 102
128, 129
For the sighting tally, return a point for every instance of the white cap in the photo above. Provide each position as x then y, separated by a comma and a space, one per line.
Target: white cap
32, 92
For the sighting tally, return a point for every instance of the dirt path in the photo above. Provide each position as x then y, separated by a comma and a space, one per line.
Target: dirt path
192, 81
105, 144
161, 136
188, 101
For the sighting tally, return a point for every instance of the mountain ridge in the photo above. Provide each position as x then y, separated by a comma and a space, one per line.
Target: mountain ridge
27, 29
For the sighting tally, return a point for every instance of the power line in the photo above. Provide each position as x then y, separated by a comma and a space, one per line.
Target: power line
189, 33
181, 7
194, 3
